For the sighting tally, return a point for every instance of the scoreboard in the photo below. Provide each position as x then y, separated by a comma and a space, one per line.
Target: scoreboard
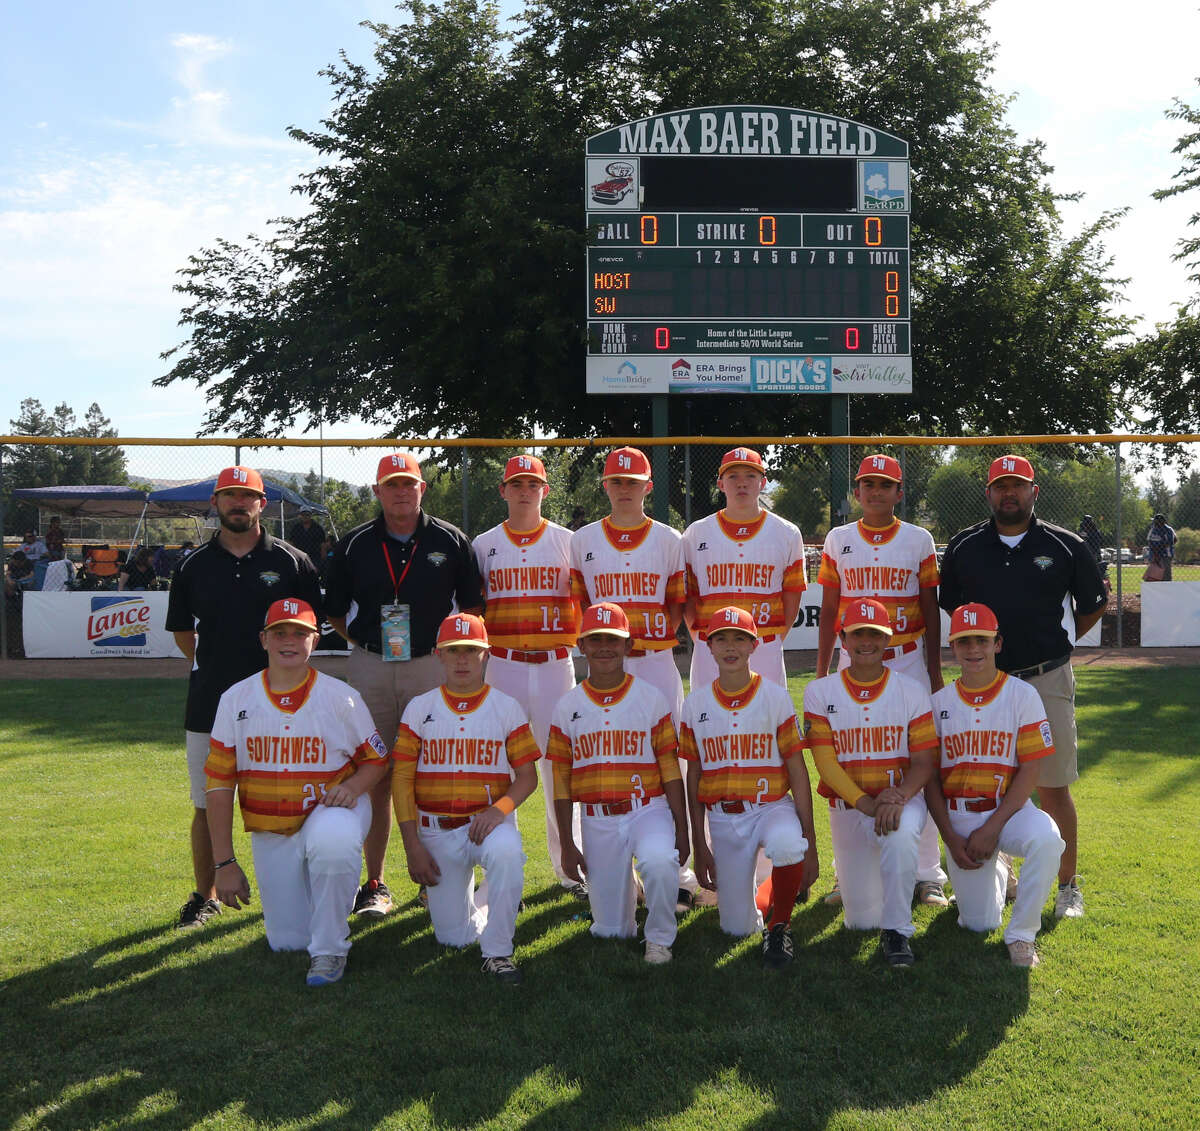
747, 249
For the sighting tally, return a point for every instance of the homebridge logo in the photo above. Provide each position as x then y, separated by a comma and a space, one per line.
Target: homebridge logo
626, 376
119, 622
809, 374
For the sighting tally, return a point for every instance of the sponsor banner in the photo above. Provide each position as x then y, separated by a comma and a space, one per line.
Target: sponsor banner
612, 184
710, 375
804, 633
60, 625
883, 186
1170, 614
807, 373
715, 373
621, 374
872, 374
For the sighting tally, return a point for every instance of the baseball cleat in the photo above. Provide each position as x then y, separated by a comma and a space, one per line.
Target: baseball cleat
578, 891
196, 912
777, 946
834, 898
657, 954
373, 900
1010, 882
1023, 953
325, 969
504, 970
1068, 903
931, 893
684, 901
896, 949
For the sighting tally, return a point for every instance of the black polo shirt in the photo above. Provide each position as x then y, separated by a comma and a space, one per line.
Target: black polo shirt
225, 599
441, 570
1023, 585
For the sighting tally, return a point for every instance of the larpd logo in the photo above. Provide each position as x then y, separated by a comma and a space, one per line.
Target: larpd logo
119, 622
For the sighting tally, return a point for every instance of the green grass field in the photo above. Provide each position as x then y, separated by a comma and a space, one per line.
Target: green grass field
111, 1018
1131, 576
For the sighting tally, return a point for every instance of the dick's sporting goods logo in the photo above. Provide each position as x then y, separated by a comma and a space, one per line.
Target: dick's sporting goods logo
119, 622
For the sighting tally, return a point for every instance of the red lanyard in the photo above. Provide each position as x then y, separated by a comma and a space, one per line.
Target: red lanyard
392, 573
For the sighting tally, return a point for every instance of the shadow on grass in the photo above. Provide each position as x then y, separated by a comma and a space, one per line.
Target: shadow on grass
169, 1030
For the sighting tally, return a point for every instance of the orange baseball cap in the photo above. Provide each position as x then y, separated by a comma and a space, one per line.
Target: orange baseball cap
399, 465
626, 463
973, 620
732, 619
741, 457
1016, 467
605, 618
463, 628
866, 612
239, 478
291, 610
529, 466
882, 467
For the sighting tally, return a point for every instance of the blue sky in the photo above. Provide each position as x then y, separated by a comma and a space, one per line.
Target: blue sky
133, 134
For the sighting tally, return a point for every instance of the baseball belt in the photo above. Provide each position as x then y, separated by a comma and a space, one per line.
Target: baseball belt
972, 804
530, 657
900, 650
1042, 669
730, 806
615, 808
428, 821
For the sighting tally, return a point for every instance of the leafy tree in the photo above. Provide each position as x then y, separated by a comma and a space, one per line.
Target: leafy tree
1185, 510
1158, 494
434, 284
1187, 546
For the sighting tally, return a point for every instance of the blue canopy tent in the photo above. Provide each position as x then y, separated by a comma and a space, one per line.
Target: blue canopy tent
94, 501
194, 500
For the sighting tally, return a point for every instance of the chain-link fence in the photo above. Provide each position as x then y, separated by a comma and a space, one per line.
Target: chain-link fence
1106, 488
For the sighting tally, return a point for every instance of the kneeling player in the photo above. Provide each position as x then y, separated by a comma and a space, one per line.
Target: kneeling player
302, 752
993, 731
614, 751
872, 737
464, 760
740, 731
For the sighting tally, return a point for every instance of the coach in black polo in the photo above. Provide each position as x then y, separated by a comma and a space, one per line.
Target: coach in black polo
220, 594
402, 573
1028, 572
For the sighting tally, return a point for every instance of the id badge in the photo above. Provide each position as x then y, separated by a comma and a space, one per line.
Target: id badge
395, 632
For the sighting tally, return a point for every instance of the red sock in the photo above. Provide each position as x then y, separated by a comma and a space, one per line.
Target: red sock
785, 884
763, 897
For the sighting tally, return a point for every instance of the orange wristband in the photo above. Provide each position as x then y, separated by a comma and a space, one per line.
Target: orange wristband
504, 804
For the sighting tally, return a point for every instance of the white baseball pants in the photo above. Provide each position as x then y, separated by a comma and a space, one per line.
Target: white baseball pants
307, 881
876, 874
1028, 833
538, 688
457, 920
766, 659
610, 845
736, 840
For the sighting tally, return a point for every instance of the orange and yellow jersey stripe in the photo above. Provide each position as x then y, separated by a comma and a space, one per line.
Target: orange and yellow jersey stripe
640, 569
750, 565
465, 748
868, 729
890, 563
616, 744
282, 750
742, 741
527, 578
987, 733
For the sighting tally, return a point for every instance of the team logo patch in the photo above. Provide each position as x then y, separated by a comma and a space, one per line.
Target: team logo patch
376, 744
1047, 737
703, 717
830, 709
492, 552
1043, 562
943, 714
846, 550
588, 556
241, 716
702, 546
436, 559
269, 577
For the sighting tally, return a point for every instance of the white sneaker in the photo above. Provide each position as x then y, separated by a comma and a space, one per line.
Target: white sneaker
325, 969
657, 954
1068, 904
1023, 953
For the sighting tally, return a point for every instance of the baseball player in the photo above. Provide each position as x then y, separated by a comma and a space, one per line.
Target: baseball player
613, 747
871, 733
531, 616
744, 556
740, 735
464, 760
302, 753
896, 563
993, 732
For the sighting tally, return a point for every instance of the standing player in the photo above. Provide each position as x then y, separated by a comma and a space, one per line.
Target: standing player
302, 752
747, 557
613, 746
993, 733
740, 734
896, 563
464, 760
532, 618
219, 596
873, 741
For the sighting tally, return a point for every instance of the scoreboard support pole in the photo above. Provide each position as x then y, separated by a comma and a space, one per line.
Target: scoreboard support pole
660, 459
839, 458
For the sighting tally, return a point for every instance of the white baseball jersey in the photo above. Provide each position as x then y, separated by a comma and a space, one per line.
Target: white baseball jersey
527, 580
741, 741
639, 569
283, 750
465, 748
892, 564
987, 734
749, 564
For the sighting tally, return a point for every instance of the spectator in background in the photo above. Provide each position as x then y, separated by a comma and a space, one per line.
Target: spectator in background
33, 547
60, 573
578, 519
307, 535
20, 573
164, 561
1090, 533
1160, 547
138, 572
55, 538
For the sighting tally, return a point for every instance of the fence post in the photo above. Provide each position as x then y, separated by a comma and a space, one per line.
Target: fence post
687, 466
466, 504
839, 456
1120, 562
904, 479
